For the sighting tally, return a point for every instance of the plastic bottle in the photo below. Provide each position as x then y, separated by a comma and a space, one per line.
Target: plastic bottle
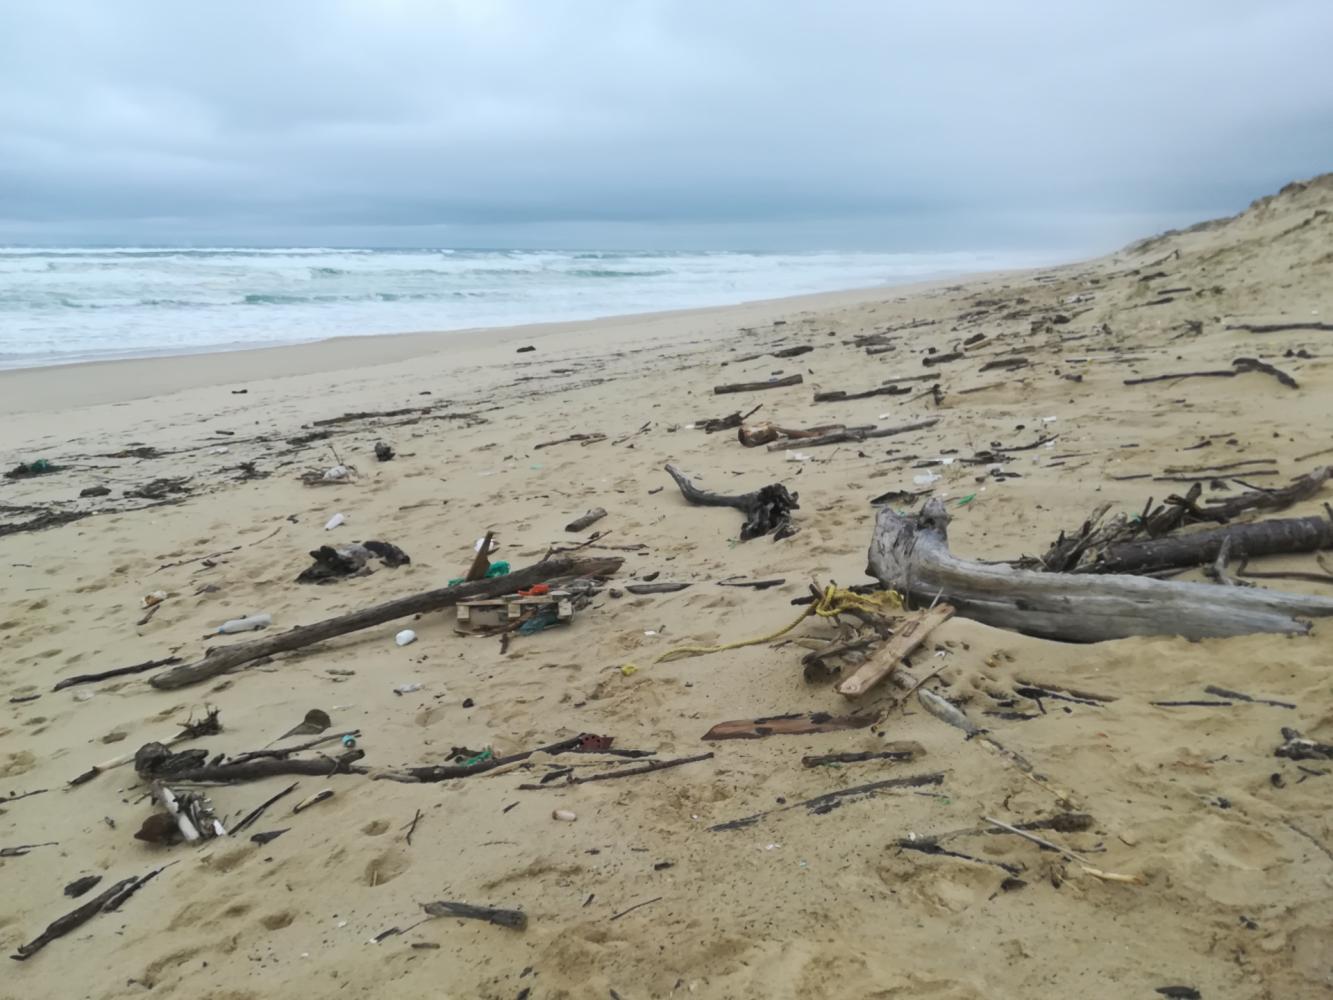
248, 624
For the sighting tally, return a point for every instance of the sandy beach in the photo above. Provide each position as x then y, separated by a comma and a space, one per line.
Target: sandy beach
1228, 849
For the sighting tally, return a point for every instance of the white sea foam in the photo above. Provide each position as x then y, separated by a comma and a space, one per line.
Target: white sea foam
72, 303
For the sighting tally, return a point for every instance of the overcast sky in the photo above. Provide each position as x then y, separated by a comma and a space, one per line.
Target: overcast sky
892, 124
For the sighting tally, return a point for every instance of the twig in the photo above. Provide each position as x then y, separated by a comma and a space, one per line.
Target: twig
635, 907
629, 772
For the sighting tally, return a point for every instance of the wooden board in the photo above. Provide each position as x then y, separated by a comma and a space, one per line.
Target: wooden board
909, 634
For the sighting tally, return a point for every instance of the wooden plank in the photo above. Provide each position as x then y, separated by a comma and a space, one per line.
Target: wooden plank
909, 634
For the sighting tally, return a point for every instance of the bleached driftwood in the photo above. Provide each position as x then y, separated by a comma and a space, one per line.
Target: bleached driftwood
911, 555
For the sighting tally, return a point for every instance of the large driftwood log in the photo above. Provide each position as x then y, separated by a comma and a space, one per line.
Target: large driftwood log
911, 555
1261, 538
221, 659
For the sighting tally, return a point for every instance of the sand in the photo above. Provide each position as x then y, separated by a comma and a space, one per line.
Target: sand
1233, 847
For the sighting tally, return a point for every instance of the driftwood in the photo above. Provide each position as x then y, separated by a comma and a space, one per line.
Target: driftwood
73, 920
1260, 538
117, 672
516, 919
788, 725
911, 554
753, 437
628, 772
775, 383
838, 395
908, 634
859, 434
829, 801
221, 659
766, 510
592, 517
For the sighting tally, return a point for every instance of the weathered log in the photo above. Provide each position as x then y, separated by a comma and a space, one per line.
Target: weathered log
219, 660
766, 510
838, 395
592, 517
774, 383
1259, 538
911, 554
859, 434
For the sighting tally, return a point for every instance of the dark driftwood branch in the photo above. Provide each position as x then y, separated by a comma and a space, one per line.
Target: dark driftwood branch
829, 801
137, 668
254, 770
911, 555
776, 383
767, 509
516, 919
628, 772
592, 517
220, 660
1260, 538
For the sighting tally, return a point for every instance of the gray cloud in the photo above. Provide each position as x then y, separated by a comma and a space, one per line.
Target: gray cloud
690, 123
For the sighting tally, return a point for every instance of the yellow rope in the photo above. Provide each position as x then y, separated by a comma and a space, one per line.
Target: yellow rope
832, 602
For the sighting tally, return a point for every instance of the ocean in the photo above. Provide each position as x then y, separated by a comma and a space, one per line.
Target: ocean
77, 304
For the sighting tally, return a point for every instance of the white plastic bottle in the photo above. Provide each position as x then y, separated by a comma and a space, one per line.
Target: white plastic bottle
248, 624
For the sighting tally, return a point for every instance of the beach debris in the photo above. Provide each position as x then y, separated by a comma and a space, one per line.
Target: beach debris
908, 634
336, 521
405, 638
76, 918
1294, 746
221, 660
911, 553
564, 816
249, 623
902, 750
795, 724
19, 850
625, 772
321, 796
772, 383
209, 725
514, 919
258, 811
315, 722
592, 517
80, 886
826, 803
583, 439
383, 451
767, 510
117, 672
663, 587
336, 562
37, 467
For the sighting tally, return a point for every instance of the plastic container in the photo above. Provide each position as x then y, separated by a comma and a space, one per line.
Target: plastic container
250, 623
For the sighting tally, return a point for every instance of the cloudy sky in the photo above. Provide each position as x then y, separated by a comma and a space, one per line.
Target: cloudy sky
887, 124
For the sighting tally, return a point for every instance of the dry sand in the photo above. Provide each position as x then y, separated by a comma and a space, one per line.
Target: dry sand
1234, 846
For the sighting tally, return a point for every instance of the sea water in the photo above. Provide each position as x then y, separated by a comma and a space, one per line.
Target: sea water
73, 304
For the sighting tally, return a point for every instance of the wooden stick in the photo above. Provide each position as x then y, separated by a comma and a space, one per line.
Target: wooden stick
909, 634
776, 383
516, 919
117, 672
628, 772
220, 660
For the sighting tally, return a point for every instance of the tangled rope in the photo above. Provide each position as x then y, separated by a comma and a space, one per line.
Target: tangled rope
831, 603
